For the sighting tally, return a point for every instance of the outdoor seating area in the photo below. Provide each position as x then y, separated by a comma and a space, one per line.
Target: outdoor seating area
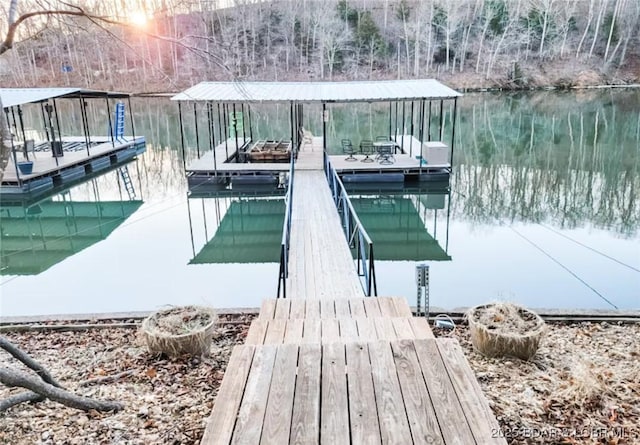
381, 151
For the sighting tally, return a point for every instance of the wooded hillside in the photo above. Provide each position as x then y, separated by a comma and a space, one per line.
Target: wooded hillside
469, 43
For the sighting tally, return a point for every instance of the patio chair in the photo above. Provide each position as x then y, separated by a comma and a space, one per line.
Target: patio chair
367, 149
347, 148
385, 154
382, 139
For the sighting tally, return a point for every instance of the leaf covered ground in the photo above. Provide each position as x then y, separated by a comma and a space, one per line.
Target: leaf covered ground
582, 387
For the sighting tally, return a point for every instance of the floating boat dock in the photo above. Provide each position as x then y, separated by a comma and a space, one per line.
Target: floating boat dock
405, 151
43, 157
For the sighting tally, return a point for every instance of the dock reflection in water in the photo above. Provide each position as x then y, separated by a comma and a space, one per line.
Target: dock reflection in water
39, 234
236, 229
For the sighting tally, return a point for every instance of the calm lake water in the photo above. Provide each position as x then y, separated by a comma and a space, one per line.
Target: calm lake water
543, 211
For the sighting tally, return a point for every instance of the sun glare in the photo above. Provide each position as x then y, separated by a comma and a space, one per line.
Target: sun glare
138, 18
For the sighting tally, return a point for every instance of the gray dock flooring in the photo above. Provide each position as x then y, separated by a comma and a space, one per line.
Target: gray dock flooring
320, 262
44, 163
348, 371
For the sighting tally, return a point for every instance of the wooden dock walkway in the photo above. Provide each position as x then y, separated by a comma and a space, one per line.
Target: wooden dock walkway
320, 261
330, 366
344, 384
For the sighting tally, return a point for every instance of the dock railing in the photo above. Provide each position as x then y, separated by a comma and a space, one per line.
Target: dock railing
286, 234
357, 236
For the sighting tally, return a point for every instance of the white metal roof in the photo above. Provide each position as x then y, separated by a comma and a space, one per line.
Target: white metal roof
356, 91
19, 96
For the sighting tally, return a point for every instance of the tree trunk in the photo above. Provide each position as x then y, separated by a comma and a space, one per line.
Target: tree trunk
603, 5
545, 25
586, 28
611, 28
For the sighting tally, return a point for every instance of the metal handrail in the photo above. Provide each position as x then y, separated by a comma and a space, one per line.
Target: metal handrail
356, 234
283, 274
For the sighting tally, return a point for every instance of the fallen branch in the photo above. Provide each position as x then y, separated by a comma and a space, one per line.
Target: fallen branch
28, 361
23, 397
12, 378
107, 378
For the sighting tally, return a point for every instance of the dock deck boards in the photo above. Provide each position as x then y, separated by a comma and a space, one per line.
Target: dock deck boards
44, 163
398, 391
405, 160
320, 261
223, 152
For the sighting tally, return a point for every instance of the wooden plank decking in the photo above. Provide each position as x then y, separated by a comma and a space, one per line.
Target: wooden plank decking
223, 152
44, 163
320, 262
336, 386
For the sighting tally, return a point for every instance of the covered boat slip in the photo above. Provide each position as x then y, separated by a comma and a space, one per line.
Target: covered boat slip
401, 147
43, 157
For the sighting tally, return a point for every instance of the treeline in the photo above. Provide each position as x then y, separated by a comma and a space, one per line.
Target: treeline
511, 43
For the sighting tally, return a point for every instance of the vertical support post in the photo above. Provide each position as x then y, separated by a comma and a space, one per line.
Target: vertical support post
85, 124
411, 141
235, 131
292, 124
226, 129
184, 161
325, 118
421, 130
446, 246
44, 122
389, 120
195, 120
57, 116
429, 124
133, 126
403, 125
219, 124
441, 119
49, 125
395, 130
250, 122
212, 136
24, 136
15, 122
244, 135
13, 152
210, 127
111, 129
453, 130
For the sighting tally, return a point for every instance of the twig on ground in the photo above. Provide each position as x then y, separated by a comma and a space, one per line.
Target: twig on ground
106, 378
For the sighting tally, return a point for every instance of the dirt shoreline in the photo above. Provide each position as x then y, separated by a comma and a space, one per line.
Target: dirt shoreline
583, 387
